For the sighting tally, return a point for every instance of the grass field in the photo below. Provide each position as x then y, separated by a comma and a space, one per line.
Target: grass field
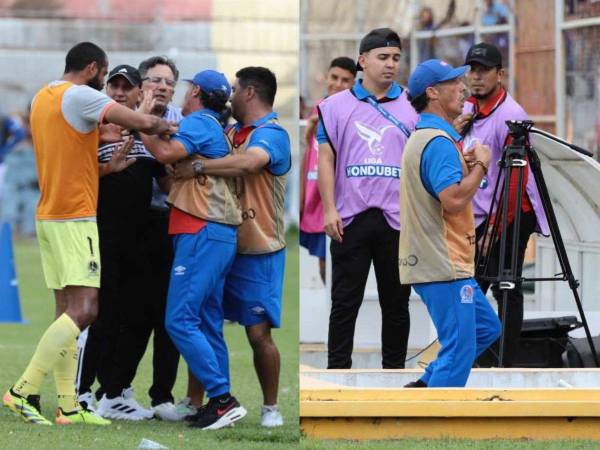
17, 343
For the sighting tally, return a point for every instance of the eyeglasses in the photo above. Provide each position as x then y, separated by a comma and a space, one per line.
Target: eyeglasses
158, 80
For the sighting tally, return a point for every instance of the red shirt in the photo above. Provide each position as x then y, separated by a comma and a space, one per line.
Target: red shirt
183, 223
241, 135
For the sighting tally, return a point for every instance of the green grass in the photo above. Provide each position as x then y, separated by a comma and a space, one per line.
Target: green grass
17, 344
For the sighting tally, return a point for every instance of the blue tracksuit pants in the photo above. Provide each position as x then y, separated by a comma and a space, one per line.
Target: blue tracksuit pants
466, 325
194, 316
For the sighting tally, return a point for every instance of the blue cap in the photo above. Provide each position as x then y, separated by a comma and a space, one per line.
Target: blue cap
210, 81
430, 73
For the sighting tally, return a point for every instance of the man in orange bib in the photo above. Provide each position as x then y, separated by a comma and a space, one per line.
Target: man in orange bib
65, 115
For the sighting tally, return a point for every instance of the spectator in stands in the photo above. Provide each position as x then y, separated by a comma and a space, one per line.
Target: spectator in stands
495, 13
20, 185
426, 46
11, 133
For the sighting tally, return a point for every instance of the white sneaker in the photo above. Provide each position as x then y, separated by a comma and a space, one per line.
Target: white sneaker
168, 411
122, 408
128, 393
270, 416
87, 400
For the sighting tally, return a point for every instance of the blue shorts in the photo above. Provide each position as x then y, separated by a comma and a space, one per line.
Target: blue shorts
314, 243
253, 289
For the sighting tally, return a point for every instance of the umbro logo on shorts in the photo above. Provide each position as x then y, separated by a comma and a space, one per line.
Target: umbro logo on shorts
258, 310
179, 270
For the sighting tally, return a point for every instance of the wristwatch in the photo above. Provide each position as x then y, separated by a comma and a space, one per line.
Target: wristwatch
198, 167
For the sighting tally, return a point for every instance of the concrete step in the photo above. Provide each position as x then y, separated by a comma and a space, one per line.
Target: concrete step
371, 404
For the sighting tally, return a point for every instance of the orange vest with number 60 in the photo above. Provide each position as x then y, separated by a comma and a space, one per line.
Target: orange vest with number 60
262, 200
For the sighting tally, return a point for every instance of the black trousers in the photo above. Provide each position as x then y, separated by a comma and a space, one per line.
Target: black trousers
101, 345
165, 359
132, 305
367, 239
146, 313
514, 306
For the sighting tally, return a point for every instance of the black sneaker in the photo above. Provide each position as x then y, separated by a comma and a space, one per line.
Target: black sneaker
416, 384
219, 413
194, 417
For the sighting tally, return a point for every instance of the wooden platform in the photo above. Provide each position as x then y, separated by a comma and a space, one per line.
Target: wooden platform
331, 410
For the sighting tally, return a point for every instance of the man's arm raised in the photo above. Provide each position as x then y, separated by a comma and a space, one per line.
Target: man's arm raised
165, 151
127, 118
457, 196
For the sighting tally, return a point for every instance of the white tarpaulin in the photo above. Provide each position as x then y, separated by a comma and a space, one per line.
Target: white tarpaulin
573, 182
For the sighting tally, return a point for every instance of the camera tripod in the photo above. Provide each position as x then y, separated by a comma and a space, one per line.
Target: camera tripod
516, 157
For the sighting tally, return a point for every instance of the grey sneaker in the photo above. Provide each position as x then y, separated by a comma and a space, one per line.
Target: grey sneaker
270, 416
185, 408
167, 411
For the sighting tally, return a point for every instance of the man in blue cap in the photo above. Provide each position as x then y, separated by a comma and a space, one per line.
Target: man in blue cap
437, 243
204, 217
260, 162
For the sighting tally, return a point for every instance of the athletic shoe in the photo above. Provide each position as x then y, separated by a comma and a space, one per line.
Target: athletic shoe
219, 414
128, 394
27, 408
185, 408
80, 416
122, 408
168, 411
195, 416
87, 401
270, 416
416, 384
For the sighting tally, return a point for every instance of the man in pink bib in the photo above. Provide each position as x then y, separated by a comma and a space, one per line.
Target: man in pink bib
361, 134
484, 121
340, 76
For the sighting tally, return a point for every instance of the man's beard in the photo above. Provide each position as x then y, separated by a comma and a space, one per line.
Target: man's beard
482, 95
235, 114
96, 83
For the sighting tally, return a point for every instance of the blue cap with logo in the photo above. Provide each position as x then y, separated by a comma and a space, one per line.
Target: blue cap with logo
210, 81
431, 72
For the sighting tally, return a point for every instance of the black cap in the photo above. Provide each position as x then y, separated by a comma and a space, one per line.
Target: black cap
486, 54
131, 74
377, 38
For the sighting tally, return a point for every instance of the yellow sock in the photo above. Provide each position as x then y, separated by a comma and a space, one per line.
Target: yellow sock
53, 345
65, 372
